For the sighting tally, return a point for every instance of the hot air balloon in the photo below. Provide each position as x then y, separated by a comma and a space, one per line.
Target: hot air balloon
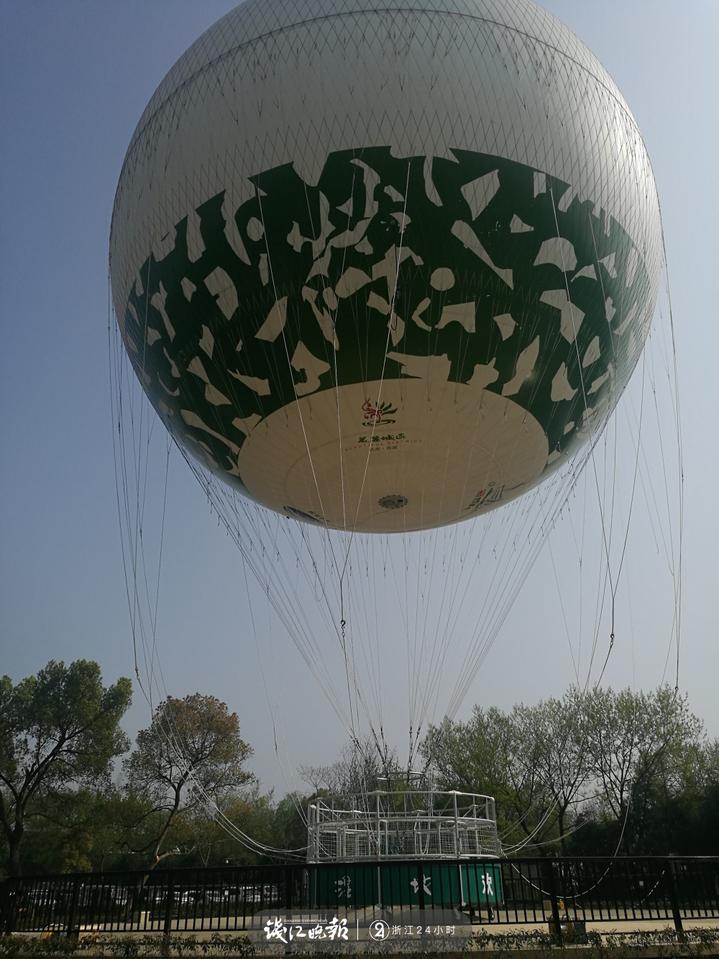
384, 269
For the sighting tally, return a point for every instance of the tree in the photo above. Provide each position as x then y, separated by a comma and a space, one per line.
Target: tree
190, 757
638, 744
498, 754
473, 754
289, 830
361, 768
81, 830
57, 729
681, 810
553, 735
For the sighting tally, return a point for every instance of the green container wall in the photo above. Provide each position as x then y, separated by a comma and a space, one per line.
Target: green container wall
398, 884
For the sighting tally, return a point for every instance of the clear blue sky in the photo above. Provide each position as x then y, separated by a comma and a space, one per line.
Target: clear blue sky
74, 78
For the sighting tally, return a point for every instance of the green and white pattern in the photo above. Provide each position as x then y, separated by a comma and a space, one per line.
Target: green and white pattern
472, 271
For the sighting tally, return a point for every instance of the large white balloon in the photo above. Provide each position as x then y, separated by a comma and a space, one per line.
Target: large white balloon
384, 268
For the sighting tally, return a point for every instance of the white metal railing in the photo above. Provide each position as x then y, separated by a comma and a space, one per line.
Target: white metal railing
402, 824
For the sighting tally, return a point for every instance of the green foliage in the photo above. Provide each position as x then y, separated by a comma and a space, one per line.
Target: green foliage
127, 947
635, 738
82, 830
59, 729
693, 943
289, 829
588, 772
197, 838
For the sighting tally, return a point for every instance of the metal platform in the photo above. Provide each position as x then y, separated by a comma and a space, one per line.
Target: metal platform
396, 824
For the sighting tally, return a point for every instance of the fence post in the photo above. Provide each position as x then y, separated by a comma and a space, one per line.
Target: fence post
168, 916
74, 896
554, 899
674, 898
288, 888
8, 905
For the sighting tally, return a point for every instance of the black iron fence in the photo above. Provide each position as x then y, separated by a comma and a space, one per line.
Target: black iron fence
562, 892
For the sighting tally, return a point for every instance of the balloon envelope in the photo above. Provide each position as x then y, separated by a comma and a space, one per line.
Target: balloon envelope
384, 269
